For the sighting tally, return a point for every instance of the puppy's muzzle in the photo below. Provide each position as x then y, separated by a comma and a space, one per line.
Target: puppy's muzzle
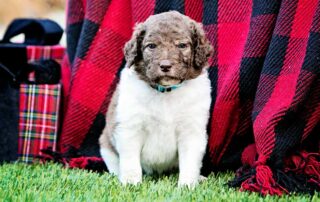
165, 65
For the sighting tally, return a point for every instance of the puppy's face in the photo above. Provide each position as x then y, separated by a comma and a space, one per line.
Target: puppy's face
167, 49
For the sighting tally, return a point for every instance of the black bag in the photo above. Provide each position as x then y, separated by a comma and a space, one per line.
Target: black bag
13, 70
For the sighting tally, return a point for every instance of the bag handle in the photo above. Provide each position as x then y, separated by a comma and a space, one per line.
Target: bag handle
36, 31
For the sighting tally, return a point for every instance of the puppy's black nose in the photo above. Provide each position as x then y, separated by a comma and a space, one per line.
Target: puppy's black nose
165, 65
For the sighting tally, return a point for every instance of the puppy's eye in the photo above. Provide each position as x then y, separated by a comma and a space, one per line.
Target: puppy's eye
182, 45
151, 46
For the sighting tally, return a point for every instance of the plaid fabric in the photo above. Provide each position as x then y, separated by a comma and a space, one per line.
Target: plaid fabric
265, 76
39, 108
38, 125
35, 53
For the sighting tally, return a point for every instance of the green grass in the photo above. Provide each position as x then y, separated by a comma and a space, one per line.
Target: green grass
51, 182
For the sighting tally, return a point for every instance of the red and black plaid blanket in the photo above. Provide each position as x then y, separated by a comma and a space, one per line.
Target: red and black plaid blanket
265, 76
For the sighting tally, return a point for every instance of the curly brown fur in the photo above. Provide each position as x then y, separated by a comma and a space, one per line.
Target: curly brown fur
172, 39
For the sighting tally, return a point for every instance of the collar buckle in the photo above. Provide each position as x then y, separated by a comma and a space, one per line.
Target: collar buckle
164, 89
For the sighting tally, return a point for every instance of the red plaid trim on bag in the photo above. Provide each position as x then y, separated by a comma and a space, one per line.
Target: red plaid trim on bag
35, 53
38, 125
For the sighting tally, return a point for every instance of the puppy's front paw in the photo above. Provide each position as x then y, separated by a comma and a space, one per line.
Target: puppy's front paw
202, 178
188, 182
131, 178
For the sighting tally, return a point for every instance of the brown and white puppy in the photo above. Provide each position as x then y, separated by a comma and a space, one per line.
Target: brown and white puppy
158, 114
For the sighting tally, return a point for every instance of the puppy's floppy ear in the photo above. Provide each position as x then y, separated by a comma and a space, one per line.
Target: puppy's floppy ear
201, 45
132, 49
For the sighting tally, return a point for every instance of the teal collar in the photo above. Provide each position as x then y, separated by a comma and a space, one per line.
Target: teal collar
164, 89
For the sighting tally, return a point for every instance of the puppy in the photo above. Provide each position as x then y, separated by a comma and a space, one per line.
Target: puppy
158, 114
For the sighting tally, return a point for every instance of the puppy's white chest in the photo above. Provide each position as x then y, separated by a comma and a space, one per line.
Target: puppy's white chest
159, 151
159, 121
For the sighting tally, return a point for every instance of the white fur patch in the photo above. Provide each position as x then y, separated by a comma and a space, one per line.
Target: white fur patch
111, 160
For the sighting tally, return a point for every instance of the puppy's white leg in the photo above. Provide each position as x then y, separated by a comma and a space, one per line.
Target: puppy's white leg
129, 143
191, 148
111, 159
